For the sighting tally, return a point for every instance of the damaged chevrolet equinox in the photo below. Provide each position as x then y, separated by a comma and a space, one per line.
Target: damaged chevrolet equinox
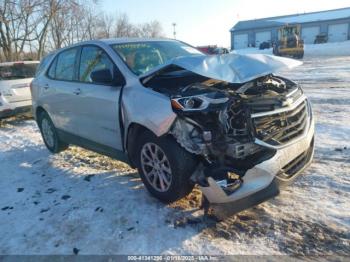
226, 123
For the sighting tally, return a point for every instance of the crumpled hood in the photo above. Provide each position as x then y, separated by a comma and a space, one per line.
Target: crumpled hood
232, 68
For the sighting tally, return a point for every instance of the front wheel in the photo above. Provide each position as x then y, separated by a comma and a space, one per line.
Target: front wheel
49, 134
165, 167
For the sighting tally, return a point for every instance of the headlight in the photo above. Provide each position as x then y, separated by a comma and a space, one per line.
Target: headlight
196, 103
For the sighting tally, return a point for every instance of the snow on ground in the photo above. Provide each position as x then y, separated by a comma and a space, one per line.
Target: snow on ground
327, 49
78, 200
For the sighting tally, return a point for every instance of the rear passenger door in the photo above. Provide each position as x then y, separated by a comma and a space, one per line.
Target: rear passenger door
98, 110
60, 90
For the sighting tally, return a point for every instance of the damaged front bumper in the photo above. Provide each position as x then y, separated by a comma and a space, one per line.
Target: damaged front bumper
264, 180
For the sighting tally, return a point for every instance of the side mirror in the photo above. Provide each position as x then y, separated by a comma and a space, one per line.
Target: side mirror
103, 76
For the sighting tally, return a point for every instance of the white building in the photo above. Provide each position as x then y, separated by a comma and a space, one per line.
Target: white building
334, 23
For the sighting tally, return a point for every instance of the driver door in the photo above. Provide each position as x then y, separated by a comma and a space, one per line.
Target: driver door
98, 107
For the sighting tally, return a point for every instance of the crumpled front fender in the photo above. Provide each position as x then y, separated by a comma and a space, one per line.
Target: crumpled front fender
147, 108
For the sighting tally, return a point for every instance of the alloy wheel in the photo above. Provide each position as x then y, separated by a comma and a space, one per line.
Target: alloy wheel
47, 131
156, 167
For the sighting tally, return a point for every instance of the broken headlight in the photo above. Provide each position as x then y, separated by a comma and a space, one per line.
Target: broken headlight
197, 103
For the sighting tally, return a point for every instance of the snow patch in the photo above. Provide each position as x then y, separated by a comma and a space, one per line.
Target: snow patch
328, 49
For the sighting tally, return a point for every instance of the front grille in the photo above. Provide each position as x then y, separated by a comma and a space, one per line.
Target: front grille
272, 104
280, 128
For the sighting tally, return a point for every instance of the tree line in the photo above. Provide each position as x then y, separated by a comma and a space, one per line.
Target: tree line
31, 28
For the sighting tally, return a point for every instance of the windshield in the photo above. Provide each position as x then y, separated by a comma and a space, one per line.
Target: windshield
17, 71
141, 57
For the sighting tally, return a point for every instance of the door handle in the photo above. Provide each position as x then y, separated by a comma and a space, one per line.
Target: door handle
77, 91
46, 86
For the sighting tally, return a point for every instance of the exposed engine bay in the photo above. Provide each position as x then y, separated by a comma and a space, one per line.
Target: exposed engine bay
221, 122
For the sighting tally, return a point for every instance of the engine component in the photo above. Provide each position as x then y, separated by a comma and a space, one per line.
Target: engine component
188, 136
234, 119
239, 150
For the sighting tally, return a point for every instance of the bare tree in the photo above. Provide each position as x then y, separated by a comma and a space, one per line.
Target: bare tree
30, 27
8, 16
17, 24
152, 29
105, 25
26, 24
123, 27
90, 23
47, 12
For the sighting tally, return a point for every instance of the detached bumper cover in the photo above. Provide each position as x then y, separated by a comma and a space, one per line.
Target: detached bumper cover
270, 191
263, 180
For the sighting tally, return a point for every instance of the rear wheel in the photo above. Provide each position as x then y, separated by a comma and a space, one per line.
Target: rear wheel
165, 167
49, 134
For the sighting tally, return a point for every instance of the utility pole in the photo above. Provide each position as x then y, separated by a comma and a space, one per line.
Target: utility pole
174, 25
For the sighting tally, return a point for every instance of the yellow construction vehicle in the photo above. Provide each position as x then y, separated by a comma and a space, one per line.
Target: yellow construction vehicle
290, 43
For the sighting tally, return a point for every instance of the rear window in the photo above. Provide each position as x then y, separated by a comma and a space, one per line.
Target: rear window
65, 65
17, 71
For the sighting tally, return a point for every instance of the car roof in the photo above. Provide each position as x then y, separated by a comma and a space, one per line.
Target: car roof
18, 62
112, 41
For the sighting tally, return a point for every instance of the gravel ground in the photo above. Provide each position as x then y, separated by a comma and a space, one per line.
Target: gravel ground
79, 202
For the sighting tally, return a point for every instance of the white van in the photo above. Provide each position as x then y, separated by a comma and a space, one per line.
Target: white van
15, 79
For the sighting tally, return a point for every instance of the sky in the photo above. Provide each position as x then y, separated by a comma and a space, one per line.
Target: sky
204, 22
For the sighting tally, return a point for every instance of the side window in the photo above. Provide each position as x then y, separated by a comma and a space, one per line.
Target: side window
65, 64
43, 64
51, 73
93, 59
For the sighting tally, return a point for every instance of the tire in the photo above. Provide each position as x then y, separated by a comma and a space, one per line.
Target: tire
174, 171
301, 55
49, 134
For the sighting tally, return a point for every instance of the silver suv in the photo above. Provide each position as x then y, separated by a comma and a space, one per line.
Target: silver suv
225, 123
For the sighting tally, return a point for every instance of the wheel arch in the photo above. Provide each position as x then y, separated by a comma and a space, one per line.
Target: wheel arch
59, 145
38, 111
133, 132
